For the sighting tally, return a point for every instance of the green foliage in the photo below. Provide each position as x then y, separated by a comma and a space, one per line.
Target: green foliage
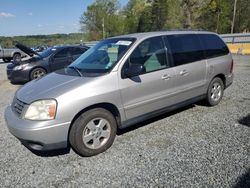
102, 19
216, 16
155, 15
37, 40
132, 13
106, 18
242, 22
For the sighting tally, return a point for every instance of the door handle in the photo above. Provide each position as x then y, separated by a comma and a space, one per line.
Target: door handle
184, 73
166, 77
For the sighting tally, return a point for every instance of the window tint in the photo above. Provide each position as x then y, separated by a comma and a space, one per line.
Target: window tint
185, 48
62, 53
77, 51
213, 45
150, 53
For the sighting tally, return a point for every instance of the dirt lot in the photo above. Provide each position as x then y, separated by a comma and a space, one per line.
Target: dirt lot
196, 146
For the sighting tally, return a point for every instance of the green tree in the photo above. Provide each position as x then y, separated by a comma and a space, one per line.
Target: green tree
242, 21
102, 19
175, 15
216, 16
132, 13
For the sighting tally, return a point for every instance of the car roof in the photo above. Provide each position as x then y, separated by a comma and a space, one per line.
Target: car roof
66, 46
160, 33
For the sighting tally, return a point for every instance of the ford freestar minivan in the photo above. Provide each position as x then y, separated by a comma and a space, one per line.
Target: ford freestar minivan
117, 83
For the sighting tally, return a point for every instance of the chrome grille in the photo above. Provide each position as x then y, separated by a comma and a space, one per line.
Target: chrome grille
17, 106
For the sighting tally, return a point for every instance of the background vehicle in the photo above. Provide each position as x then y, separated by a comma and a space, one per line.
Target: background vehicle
8, 54
42, 63
117, 83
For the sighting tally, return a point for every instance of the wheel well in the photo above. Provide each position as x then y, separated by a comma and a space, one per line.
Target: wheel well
222, 77
107, 106
16, 53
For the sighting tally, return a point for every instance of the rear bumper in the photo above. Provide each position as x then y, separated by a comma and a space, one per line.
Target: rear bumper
40, 136
229, 80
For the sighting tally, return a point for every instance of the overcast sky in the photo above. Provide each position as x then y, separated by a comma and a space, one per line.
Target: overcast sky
32, 17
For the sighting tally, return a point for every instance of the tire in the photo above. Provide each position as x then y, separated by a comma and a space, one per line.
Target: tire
37, 73
98, 127
17, 57
215, 92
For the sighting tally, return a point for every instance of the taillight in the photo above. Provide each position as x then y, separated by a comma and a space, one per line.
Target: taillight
232, 66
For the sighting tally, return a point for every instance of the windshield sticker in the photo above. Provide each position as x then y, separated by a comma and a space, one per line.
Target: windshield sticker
123, 42
53, 49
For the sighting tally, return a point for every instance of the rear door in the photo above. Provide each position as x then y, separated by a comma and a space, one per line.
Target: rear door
189, 63
153, 89
60, 59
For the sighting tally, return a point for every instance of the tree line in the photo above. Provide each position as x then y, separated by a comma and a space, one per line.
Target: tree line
105, 18
38, 40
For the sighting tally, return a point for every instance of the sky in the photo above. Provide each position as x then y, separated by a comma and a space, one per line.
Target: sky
33, 17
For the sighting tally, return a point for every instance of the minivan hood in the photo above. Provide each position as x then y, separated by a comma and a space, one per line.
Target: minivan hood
27, 50
49, 86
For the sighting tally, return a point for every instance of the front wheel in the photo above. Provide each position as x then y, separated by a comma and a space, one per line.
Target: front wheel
215, 92
37, 73
93, 132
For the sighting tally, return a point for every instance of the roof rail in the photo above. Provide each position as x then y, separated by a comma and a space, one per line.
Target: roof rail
183, 29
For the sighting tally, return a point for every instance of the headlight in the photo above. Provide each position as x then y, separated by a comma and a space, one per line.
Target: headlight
20, 67
41, 110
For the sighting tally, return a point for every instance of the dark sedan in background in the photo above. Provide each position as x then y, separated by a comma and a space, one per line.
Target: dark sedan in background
39, 64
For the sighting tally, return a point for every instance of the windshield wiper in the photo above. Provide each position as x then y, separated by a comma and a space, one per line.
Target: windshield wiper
77, 70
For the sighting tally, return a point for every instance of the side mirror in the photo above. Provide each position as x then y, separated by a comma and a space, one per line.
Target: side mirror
133, 70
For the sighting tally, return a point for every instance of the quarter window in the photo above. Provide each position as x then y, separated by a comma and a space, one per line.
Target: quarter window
185, 48
77, 51
213, 45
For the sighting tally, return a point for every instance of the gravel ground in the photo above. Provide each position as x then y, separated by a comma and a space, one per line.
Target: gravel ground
196, 146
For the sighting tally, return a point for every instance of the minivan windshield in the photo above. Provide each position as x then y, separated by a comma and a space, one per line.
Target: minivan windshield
102, 57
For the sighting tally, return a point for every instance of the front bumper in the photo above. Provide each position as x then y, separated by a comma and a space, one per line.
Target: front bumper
37, 135
17, 75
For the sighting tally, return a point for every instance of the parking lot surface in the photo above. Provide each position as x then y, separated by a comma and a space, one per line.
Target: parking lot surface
196, 146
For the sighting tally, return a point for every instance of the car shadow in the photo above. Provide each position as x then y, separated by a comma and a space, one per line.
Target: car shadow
244, 180
154, 119
245, 120
50, 153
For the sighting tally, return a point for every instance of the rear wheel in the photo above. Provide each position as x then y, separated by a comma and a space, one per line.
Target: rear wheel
17, 57
215, 92
93, 132
37, 73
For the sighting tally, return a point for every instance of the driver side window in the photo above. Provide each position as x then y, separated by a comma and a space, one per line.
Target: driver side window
150, 54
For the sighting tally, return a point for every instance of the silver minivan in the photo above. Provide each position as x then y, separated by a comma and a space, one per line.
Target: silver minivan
117, 83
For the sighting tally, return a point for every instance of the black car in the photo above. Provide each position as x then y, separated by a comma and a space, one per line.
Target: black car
39, 64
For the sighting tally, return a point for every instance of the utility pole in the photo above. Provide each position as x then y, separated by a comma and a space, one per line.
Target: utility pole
103, 29
235, 4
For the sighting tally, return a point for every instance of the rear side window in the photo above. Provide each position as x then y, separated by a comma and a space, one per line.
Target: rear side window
185, 48
77, 50
213, 45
